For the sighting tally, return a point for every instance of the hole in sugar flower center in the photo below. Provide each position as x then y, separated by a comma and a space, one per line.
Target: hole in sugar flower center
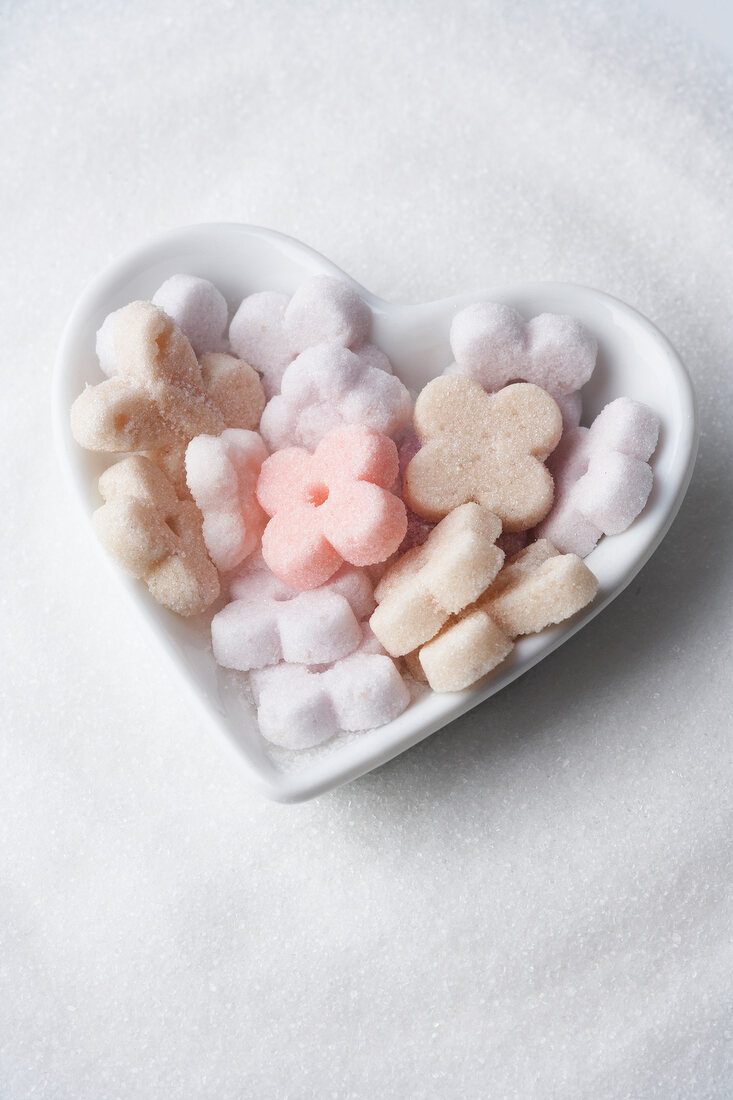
173, 524
317, 494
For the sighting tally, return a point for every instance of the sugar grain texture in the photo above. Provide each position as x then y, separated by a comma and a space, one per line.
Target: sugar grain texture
533, 903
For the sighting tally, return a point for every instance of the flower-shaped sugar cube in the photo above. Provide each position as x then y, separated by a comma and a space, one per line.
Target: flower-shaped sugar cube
602, 476
267, 621
483, 447
222, 472
198, 308
327, 386
269, 329
495, 345
330, 506
299, 706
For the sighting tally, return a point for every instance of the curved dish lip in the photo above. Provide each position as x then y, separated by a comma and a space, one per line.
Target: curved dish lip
378, 746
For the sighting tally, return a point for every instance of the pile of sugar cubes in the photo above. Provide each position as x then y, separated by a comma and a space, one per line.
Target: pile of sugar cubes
353, 540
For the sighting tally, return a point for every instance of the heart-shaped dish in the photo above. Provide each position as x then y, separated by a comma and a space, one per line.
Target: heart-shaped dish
634, 360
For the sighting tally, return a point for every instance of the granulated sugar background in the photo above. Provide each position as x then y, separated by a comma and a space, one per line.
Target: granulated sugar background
536, 901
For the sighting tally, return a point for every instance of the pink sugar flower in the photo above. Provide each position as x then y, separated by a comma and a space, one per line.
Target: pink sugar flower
330, 506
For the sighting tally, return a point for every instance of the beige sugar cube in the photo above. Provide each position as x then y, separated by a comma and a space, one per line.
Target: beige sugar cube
483, 447
536, 588
162, 397
428, 584
155, 536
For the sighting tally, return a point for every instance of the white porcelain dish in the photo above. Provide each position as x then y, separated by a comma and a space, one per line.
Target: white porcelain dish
634, 360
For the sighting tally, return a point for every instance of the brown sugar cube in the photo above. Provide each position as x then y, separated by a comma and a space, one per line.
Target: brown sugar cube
536, 588
487, 448
162, 397
429, 583
155, 536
